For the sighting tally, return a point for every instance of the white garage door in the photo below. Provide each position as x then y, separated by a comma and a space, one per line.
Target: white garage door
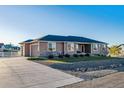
34, 50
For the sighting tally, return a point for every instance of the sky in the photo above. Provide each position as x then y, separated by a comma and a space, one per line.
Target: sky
103, 23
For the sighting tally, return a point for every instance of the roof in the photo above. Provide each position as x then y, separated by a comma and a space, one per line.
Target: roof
68, 38
1, 44
29, 40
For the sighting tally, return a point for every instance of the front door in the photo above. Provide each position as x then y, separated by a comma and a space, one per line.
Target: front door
87, 48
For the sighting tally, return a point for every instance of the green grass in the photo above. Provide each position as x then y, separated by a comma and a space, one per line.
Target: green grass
78, 59
37, 58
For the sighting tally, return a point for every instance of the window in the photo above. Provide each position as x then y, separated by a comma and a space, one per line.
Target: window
104, 47
52, 46
95, 47
70, 46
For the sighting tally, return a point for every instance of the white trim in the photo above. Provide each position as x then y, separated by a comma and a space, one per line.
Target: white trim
38, 46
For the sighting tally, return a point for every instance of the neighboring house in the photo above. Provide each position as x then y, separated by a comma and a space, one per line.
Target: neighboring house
1, 47
122, 49
56, 44
8, 48
11, 48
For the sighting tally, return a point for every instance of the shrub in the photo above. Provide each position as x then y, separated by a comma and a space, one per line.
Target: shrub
37, 58
87, 55
99, 55
50, 56
81, 55
78, 52
60, 56
75, 55
67, 55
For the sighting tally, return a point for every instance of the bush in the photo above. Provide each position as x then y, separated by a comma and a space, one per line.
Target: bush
99, 55
75, 55
60, 56
81, 55
87, 55
37, 58
50, 56
78, 52
67, 55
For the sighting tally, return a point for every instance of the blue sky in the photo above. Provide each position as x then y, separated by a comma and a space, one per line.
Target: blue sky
104, 23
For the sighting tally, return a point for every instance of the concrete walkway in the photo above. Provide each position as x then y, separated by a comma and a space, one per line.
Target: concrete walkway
21, 73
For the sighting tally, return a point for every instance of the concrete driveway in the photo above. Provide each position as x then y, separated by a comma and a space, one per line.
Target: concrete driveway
20, 73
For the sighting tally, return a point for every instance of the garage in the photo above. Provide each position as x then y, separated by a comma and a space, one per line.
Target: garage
34, 50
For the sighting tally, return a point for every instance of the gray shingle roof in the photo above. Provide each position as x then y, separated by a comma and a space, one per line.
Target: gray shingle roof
29, 40
68, 38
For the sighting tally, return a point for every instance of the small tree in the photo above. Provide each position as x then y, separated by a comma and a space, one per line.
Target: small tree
114, 50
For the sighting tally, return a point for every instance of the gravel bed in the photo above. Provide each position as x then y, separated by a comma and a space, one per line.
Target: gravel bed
86, 66
89, 70
92, 74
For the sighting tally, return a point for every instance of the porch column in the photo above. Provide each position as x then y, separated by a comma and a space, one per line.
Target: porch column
91, 48
65, 47
83, 48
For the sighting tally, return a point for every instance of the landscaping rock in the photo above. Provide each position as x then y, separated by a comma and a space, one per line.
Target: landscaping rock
90, 69
77, 69
101, 67
120, 65
84, 65
82, 69
96, 74
113, 66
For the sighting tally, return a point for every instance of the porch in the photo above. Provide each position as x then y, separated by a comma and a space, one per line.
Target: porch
84, 48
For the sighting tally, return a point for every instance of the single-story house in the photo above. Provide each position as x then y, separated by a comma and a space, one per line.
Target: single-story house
56, 44
8, 48
11, 48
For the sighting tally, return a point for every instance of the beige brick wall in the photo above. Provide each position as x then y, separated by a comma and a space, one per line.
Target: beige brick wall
60, 47
43, 47
25, 49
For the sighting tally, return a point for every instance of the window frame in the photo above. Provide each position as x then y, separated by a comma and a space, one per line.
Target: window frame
71, 47
53, 46
95, 47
